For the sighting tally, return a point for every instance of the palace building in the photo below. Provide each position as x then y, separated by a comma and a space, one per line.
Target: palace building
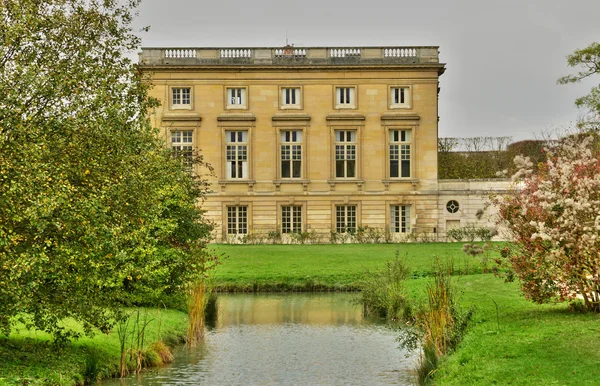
313, 139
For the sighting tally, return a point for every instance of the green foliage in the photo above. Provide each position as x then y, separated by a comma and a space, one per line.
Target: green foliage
428, 365
274, 237
94, 212
369, 235
588, 59
471, 232
382, 291
484, 157
92, 369
439, 323
29, 358
472, 158
462, 165
305, 237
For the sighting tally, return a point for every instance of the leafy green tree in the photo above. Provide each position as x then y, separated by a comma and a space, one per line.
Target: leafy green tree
94, 212
588, 59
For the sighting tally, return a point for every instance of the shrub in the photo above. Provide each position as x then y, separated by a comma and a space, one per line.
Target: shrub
274, 237
338, 237
382, 292
554, 220
471, 232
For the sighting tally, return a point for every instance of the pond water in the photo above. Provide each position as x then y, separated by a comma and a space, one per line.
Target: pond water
288, 339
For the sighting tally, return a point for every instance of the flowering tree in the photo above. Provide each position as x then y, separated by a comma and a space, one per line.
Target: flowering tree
554, 216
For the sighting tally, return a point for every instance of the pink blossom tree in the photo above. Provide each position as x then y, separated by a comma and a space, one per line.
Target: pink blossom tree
554, 217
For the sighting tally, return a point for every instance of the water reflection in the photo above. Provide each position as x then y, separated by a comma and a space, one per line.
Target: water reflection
329, 309
289, 339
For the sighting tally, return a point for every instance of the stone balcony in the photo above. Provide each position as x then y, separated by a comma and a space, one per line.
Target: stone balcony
289, 56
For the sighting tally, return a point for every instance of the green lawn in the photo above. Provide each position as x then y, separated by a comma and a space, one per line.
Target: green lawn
525, 343
28, 358
299, 267
517, 343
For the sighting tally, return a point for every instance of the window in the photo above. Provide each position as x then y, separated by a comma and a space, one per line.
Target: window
237, 154
345, 218
290, 97
182, 144
181, 97
400, 155
399, 97
345, 153
291, 219
452, 206
237, 97
400, 218
237, 220
291, 154
345, 97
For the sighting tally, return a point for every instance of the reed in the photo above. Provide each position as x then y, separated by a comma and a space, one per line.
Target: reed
197, 299
383, 293
440, 320
437, 318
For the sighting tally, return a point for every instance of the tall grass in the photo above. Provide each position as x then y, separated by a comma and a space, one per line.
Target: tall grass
440, 321
197, 299
382, 291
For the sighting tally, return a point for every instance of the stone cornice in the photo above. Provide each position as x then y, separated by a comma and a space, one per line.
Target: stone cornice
399, 117
438, 67
286, 117
345, 117
236, 117
181, 117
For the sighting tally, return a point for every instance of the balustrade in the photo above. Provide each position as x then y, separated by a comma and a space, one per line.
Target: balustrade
290, 52
236, 53
344, 52
180, 53
399, 52
318, 55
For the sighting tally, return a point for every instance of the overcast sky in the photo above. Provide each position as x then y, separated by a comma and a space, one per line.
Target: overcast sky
502, 57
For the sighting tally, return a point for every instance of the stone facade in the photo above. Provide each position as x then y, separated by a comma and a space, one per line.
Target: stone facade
312, 139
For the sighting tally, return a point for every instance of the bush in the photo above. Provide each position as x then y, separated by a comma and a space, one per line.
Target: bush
382, 292
554, 220
471, 233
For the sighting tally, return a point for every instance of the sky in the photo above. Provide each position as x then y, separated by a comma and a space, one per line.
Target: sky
502, 57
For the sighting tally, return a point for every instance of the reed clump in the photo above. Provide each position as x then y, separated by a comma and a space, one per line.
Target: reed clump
383, 293
197, 301
440, 322
163, 352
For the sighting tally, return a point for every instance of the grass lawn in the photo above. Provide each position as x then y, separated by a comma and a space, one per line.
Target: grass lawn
524, 343
27, 358
336, 267
517, 343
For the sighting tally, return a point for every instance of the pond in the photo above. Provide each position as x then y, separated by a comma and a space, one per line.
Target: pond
288, 339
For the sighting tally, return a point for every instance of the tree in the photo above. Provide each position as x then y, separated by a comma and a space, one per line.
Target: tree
589, 59
94, 212
554, 217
